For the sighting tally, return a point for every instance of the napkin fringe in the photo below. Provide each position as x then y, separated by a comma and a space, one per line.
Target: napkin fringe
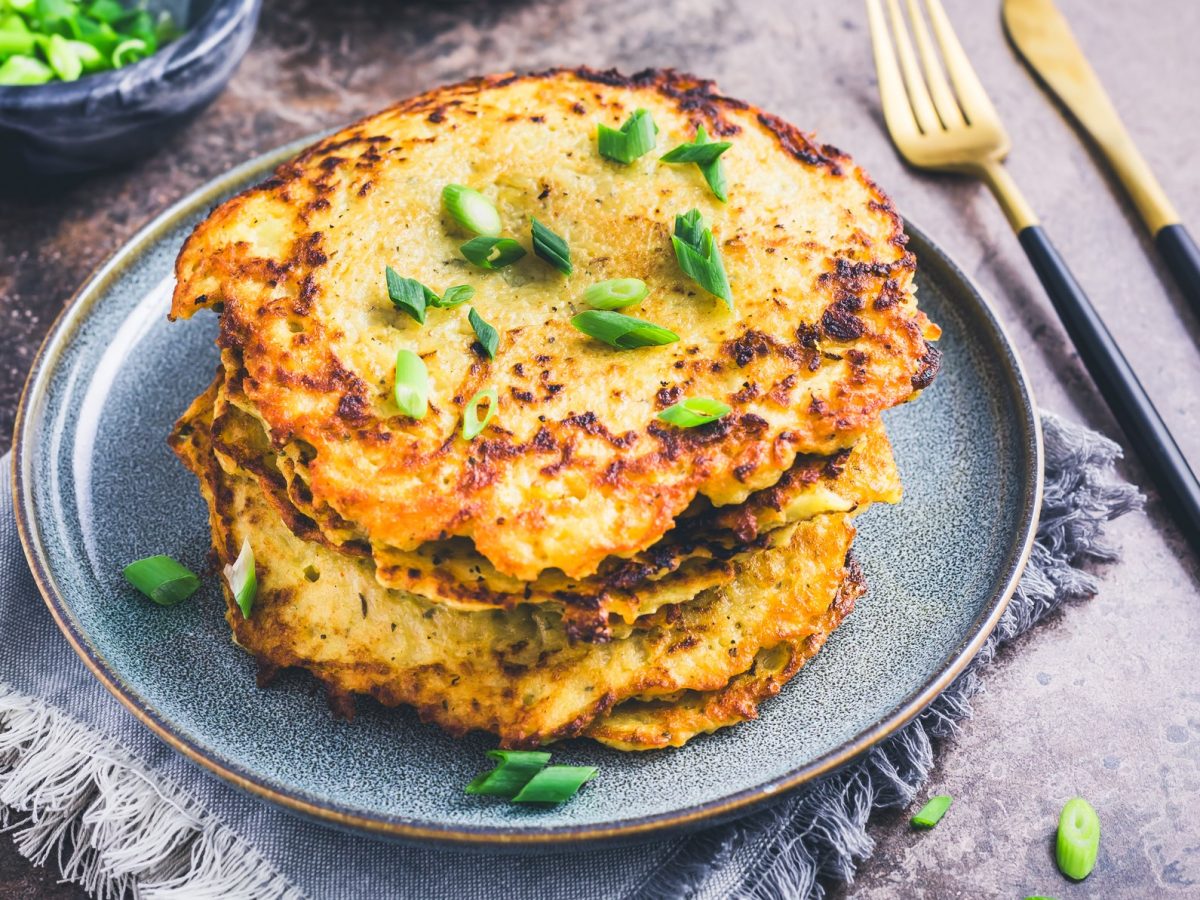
820, 835
69, 793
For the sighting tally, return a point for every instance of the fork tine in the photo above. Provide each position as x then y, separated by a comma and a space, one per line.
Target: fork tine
935, 78
918, 94
971, 96
897, 112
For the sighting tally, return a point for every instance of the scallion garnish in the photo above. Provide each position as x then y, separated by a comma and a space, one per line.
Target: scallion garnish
471, 210
616, 293
555, 784
243, 580
489, 338
694, 411
931, 813
706, 155
635, 138
696, 251
472, 424
162, 579
550, 247
515, 769
492, 252
454, 296
622, 331
411, 387
1078, 840
407, 294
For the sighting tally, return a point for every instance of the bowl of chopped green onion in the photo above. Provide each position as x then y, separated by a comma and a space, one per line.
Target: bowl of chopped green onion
88, 84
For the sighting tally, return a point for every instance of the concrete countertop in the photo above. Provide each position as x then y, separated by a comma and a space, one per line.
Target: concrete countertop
1101, 700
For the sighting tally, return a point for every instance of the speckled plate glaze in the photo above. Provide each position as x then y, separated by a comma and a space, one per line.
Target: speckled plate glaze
97, 487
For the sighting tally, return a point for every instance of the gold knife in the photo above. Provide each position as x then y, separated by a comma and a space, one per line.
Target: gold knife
1043, 38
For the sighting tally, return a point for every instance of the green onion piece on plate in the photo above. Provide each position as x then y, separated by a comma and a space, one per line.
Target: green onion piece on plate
550, 247
694, 411
1078, 839
555, 784
162, 579
489, 338
411, 387
107, 11
616, 293
931, 813
635, 138
62, 58
16, 41
706, 155
622, 331
472, 424
454, 296
24, 70
407, 294
470, 209
243, 580
492, 252
515, 769
696, 252
130, 51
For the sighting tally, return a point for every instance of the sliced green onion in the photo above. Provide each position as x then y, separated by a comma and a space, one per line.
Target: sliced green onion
24, 70
550, 247
15, 41
89, 57
616, 293
455, 296
515, 769
411, 388
555, 784
129, 51
699, 150
696, 251
635, 138
472, 424
62, 58
243, 580
622, 331
470, 209
492, 252
407, 294
931, 813
1078, 839
106, 11
694, 411
162, 579
488, 336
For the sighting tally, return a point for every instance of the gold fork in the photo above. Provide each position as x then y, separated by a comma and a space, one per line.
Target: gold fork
951, 126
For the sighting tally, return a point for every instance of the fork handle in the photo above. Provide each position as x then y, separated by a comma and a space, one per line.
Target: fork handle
1130, 405
1183, 259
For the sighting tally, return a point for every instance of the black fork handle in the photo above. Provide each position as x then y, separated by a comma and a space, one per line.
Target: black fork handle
1183, 259
1135, 413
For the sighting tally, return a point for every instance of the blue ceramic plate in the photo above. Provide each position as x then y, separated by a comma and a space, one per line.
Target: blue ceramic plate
97, 487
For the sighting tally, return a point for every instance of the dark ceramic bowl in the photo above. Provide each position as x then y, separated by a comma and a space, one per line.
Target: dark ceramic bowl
113, 117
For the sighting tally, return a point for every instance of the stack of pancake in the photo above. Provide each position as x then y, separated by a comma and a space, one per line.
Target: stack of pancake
581, 567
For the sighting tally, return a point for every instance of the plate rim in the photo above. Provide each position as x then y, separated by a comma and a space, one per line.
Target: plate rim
422, 831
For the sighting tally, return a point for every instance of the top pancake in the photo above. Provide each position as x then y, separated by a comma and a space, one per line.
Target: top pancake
574, 467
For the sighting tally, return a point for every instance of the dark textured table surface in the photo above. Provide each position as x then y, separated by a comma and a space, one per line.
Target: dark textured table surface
1101, 700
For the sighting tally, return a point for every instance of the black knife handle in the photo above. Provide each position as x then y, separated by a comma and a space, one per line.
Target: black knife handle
1183, 259
1144, 428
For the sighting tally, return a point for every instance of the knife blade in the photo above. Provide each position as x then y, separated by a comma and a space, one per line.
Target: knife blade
1044, 39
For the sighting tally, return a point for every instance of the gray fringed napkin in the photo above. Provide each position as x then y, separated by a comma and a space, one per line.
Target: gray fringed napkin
85, 788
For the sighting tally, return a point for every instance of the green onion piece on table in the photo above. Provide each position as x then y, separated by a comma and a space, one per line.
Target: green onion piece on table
472, 424
492, 252
407, 294
616, 293
706, 155
550, 247
635, 138
162, 579
694, 411
622, 331
489, 338
696, 252
454, 296
243, 580
1078, 839
515, 769
555, 784
411, 387
931, 813
471, 209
